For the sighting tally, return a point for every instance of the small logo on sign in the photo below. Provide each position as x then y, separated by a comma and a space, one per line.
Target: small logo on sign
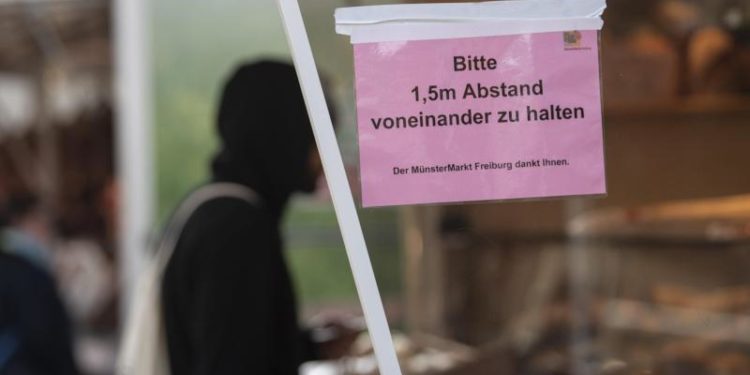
574, 41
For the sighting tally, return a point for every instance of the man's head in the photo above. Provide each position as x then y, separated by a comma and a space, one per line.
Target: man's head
265, 133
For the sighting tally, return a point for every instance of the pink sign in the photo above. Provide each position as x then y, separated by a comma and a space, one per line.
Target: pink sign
477, 119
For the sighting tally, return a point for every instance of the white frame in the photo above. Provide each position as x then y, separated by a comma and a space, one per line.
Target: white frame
343, 201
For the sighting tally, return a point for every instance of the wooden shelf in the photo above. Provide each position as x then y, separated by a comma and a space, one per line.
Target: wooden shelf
700, 106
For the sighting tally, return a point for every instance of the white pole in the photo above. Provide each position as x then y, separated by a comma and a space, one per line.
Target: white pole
133, 109
343, 202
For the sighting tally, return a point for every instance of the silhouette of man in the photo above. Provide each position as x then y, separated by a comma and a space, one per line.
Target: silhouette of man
229, 306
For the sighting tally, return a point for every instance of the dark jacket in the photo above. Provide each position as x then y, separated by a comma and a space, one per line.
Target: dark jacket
229, 305
35, 337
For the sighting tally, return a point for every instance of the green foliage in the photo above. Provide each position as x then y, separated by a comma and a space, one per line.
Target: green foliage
318, 258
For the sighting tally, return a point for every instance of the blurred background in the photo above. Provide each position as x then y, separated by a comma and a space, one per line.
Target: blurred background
652, 279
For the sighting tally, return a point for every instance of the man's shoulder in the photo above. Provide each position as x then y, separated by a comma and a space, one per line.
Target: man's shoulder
226, 212
221, 230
